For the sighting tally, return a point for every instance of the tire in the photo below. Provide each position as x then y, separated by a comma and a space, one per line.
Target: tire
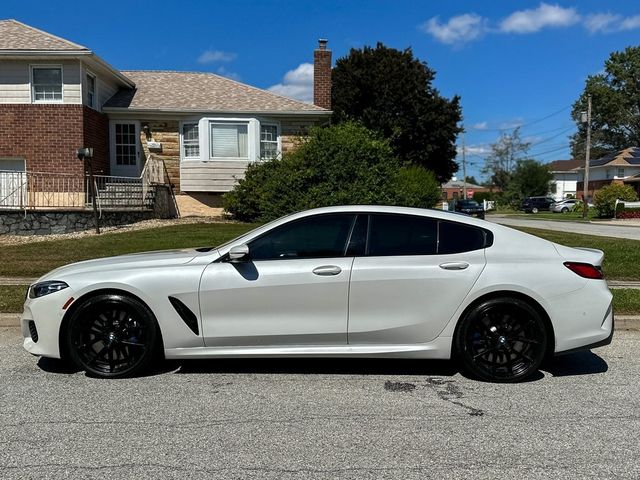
534, 210
112, 336
501, 340
564, 210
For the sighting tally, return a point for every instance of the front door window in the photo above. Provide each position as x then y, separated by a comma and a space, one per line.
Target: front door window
124, 156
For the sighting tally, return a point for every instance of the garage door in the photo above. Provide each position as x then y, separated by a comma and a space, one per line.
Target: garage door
13, 183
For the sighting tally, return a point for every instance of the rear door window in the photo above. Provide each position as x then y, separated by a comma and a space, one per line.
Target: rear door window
402, 235
454, 237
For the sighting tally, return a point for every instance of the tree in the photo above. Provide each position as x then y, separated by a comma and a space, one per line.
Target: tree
344, 164
529, 179
472, 179
505, 155
615, 97
391, 92
604, 200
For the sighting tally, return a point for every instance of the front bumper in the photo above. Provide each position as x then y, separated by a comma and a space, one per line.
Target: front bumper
44, 316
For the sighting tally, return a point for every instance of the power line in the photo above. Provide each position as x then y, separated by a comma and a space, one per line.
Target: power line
523, 125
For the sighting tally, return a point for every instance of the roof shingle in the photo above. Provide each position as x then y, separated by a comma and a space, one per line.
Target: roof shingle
15, 35
202, 92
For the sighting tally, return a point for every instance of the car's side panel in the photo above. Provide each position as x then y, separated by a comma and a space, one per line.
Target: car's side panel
408, 299
275, 302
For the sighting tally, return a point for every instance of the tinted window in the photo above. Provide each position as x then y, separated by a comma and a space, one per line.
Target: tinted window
313, 237
402, 235
458, 237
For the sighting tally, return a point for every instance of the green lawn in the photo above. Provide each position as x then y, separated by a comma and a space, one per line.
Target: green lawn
560, 217
625, 301
35, 259
621, 256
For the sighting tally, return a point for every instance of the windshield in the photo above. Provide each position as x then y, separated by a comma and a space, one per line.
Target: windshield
469, 203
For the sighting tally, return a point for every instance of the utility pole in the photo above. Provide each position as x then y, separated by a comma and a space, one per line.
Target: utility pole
464, 168
587, 155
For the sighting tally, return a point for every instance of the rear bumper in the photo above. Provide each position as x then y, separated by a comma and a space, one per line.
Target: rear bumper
590, 346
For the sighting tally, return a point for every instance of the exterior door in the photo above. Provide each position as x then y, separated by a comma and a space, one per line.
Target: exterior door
416, 273
13, 183
293, 290
125, 149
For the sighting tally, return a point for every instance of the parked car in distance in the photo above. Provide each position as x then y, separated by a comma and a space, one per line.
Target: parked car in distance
536, 204
470, 207
563, 206
350, 281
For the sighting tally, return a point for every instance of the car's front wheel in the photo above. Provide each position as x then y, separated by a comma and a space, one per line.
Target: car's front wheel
111, 336
534, 210
501, 340
565, 210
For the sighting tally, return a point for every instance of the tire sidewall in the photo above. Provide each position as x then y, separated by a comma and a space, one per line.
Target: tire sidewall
79, 315
460, 348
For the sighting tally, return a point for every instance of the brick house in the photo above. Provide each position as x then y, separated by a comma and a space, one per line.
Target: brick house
57, 96
621, 167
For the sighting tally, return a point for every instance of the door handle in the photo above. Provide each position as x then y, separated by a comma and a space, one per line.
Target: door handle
454, 265
327, 270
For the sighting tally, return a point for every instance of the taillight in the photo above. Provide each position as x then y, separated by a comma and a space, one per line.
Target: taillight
585, 270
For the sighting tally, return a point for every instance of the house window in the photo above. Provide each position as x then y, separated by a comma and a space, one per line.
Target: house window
91, 90
46, 84
190, 140
229, 140
620, 172
608, 173
268, 142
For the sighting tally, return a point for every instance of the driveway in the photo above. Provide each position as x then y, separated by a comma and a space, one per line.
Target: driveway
319, 419
598, 229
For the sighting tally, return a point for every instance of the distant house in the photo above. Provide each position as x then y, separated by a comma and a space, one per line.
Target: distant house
565, 177
454, 189
57, 96
621, 167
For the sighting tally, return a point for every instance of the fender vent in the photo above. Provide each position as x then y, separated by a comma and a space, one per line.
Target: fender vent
188, 317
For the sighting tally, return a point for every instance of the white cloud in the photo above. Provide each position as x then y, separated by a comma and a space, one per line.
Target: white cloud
601, 22
510, 125
226, 73
480, 126
215, 56
479, 150
296, 84
458, 30
534, 20
630, 23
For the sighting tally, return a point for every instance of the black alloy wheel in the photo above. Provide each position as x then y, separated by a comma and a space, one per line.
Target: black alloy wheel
502, 340
112, 336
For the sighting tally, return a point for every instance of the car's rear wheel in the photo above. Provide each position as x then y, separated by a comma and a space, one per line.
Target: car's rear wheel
534, 210
112, 336
565, 210
501, 340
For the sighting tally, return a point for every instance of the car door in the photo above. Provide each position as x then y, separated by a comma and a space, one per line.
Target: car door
292, 289
415, 274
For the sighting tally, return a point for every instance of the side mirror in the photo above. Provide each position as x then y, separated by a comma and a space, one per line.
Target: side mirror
238, 252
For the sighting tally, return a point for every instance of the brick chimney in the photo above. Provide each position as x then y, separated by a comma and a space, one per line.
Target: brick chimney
322, 75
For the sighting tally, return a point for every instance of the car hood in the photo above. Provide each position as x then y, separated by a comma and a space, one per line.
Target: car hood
134, 260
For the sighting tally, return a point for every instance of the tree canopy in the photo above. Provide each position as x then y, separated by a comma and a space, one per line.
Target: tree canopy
615, 97
391, 93
344, 164
504, 157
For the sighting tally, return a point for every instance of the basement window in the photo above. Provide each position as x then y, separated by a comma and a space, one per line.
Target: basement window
46, 84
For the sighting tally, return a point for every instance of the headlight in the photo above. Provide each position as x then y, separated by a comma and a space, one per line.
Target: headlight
45, 288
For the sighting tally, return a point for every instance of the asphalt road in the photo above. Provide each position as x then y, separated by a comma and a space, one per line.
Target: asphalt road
321, 419
598, 229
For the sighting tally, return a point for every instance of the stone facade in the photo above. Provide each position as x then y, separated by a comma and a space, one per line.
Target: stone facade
46, 223
47, 136
167, 132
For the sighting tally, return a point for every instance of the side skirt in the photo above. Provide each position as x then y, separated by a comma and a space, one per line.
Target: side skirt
440, 348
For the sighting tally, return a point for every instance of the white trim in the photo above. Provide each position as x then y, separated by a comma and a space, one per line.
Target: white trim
181, 125
89, 73
46, 65
270, 123
112, 149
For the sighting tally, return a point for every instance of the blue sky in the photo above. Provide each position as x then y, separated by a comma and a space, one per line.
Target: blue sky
512, 63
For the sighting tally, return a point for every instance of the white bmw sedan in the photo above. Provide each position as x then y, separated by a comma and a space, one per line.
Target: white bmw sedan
363, 281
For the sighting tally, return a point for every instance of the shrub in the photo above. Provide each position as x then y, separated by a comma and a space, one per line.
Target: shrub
482, 196
604, 200
415, 186
337, 165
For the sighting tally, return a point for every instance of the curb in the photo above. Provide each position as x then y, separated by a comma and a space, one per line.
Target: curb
622, 322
